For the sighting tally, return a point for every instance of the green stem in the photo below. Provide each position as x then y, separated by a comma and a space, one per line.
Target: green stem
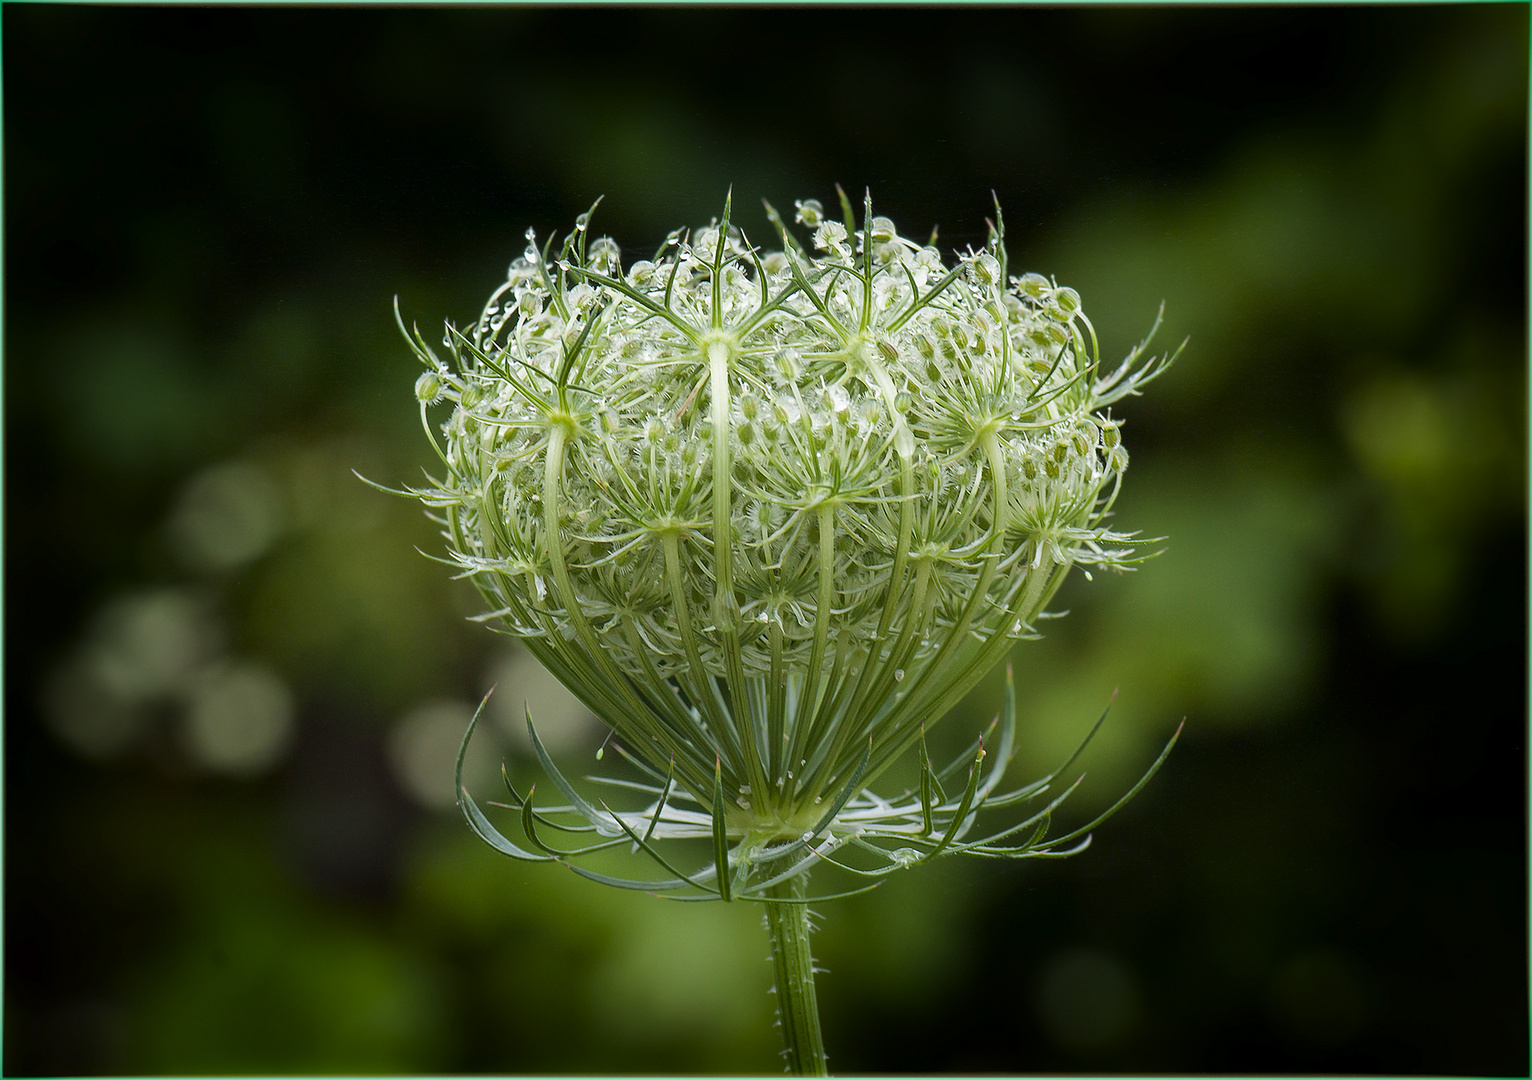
797, 1005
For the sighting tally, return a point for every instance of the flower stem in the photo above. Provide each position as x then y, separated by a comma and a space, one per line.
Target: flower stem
787, 921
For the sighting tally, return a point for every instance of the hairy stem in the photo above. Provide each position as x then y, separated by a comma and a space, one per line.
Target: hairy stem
788, 924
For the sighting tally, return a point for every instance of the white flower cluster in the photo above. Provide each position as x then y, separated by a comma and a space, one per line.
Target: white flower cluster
765, 510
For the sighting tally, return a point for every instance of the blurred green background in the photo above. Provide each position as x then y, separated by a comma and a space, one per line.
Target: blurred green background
233, 685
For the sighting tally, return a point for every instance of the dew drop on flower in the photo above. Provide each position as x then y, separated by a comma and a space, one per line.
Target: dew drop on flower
898, 674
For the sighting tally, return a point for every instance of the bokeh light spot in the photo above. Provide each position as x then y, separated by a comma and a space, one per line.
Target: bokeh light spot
239, 719
227, 516
1321, 997
423, 747
151, 643
1089, 1001
522, 684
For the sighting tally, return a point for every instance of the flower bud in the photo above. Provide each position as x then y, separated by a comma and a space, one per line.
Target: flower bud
830, 235
428, 388
1034, 285
816, 506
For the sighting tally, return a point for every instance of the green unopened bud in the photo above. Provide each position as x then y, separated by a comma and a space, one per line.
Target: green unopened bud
1034, 285
428, 388
811, 212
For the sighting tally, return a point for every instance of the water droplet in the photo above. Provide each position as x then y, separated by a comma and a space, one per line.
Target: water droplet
898, 674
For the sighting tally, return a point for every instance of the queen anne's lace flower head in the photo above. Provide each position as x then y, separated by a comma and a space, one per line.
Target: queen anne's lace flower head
771, 513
